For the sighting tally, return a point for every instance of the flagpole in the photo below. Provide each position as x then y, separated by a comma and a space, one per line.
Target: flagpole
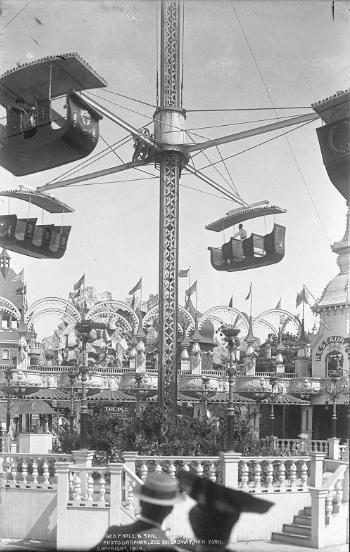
231, 308
196, 299
141, 301
189, 283
251, 298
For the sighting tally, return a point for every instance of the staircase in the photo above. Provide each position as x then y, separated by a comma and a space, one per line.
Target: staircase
297, 533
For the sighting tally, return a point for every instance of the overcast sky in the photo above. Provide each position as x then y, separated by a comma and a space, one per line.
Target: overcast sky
237, 54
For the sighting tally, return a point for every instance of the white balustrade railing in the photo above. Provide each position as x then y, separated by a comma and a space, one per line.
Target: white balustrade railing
273, 474
283, 375
337, 486
301, 446
208, 466
89, 485
27, 470
255, 473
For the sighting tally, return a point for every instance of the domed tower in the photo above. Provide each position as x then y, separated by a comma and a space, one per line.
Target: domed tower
12, 307
331, 343
329, 350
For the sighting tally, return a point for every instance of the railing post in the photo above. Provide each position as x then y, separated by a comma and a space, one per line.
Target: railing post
318, 517
316, 469
83, 458
116, 471
334, 450
63, 525
130, 457
229, 461
130, 462
346, 485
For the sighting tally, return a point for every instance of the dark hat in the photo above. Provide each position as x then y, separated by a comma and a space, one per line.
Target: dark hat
220, 498
218, 508
159, 488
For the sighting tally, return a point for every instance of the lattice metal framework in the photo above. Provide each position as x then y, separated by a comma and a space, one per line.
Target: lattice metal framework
171, 162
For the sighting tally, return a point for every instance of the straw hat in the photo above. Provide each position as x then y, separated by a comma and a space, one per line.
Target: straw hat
159, 488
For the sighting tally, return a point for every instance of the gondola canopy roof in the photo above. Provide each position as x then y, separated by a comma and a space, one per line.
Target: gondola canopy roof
49, 77
241, 214
44, 201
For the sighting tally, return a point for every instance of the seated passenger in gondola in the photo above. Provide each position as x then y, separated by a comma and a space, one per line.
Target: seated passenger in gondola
141, 148
241, 233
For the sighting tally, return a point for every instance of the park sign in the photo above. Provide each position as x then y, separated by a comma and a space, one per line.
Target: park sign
333, 342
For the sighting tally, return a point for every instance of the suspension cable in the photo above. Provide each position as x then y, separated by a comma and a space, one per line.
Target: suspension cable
284, 133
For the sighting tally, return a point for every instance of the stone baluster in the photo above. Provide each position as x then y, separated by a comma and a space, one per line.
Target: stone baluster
292, 475
76, 487
2, 471
281, 475
329, 504
131, 498
212, 472
293, 447
244, 476
199, 469
172, 468
269, 476
257, 475
90, 488
14, 470
71, 484
303, 474
35, 471
46, 473
338, 494
24, 470
144, 471
186, 466
102, 497
158, 468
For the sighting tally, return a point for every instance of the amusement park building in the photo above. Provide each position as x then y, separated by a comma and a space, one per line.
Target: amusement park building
127, 346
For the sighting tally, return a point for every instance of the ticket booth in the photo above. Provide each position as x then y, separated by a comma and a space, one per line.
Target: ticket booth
34, 429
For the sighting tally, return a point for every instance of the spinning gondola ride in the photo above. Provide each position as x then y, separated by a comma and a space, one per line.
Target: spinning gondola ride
36, 136
334, 139
253, 252
25, 236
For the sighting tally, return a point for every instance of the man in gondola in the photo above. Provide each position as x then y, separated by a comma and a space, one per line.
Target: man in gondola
242, 234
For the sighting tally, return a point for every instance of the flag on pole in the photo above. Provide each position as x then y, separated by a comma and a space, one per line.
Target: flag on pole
191, 289
183, 273
231, 302
250, 292
19, 277
302, 297
132, 304
278, 306
152, 302
79, 283
74, 294
136, 288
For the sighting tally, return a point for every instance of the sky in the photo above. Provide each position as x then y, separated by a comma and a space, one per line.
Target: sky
236, 55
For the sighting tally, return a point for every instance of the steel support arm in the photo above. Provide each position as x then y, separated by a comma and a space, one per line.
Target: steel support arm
252, 132
90, 176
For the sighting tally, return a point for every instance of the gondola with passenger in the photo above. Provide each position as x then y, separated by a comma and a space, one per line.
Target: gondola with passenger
47, 123
25, 236
254, 251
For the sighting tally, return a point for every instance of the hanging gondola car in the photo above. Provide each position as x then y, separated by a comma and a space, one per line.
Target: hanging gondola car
254, 251
37, 137
334, 139
26, 237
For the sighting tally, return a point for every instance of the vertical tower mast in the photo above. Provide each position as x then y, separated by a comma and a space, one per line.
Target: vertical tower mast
169, 121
